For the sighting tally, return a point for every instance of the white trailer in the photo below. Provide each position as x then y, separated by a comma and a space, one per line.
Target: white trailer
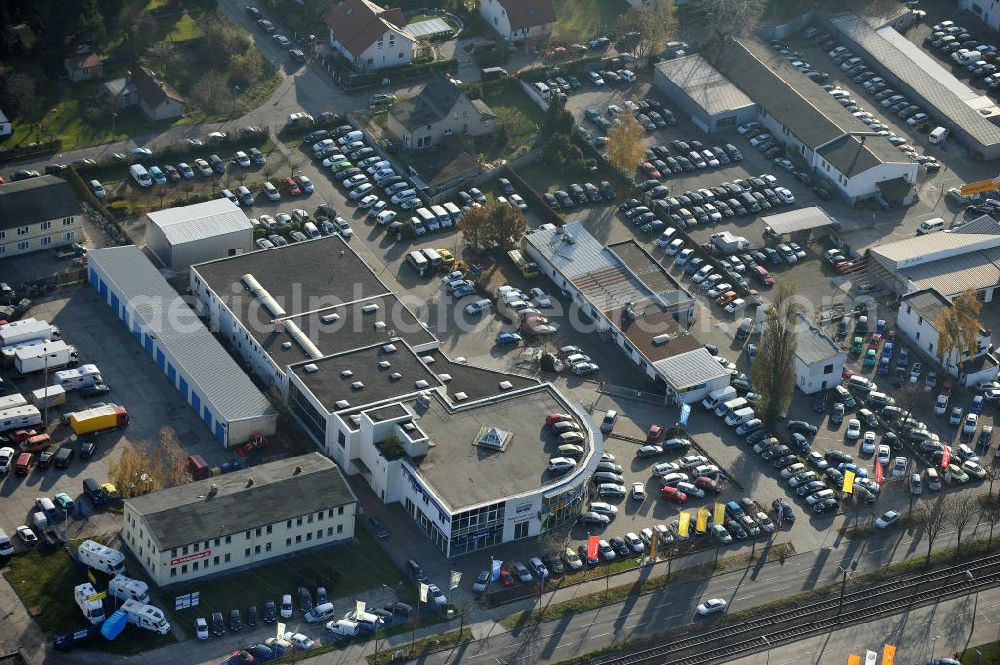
146, 616
125, 588
83, 376
48, 396
52, 356
20, 417
7, 352
89, 602
26, 330
10, 401
101, 557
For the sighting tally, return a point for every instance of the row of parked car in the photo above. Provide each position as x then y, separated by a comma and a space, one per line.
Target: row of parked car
691, 155
978, 58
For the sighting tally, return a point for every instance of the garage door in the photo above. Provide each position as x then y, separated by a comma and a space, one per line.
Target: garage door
220, 432
195, 402
184, 389
161, 360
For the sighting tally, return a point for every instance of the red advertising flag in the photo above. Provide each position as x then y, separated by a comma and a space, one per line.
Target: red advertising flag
592, 542
946, 458
878, 472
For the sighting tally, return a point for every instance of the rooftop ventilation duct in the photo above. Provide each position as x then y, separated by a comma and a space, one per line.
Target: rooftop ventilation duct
389, 348
310, 368
286, 345
296, 333
342, 404
445, 378
357, 385
384, 364
370, 309
346, 373
461, 397
395, 376
661, 339
263, 297
506, 385
380, 325
420, 383
329, 318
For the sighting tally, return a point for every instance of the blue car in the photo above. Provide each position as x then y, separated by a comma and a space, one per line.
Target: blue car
801, 442
507, 339
977, 404
693, 266
851, 466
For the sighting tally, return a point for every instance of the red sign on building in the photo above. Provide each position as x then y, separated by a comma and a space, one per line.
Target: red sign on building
191, 557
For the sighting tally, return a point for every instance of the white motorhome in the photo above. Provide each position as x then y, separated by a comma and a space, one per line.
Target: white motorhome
11, 401
26, 330
125, 588
50, 356
19, 417
146, 616
84, 376
92, 607
101, 557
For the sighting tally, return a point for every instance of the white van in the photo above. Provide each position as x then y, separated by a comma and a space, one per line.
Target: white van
453, 210
938, 135
542, 90
319, 613
351, 137
717, 397
727, 407
930, 226
443, 218
310, 230
428, 218
740, 416
141, 175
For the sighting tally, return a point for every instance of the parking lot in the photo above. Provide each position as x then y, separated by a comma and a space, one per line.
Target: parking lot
88, 324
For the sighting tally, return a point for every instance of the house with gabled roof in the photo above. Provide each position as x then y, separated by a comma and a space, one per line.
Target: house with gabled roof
143, 88
440, 110
516, 20
370, 36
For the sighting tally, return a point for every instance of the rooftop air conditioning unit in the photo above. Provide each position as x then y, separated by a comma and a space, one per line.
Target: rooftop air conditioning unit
310, 368
342, 404
357, 385
286, 345
461, 397
370, 309
346, 373
445, 378
661, 339
389, 348
420, 383
384, 364
329, 318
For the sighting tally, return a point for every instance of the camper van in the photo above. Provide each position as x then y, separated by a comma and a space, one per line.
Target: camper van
84, 376
101, 557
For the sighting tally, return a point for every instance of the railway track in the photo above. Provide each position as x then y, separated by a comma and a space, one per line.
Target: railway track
783, 626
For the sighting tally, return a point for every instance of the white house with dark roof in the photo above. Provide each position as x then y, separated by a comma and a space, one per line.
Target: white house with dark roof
370, 36
516, 20
819, 361
38, 213
440, 110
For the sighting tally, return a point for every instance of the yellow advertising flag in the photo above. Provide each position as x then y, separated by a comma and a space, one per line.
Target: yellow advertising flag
684, 521
720, 514
888, 654
853, 659
702, 525
848, 482
977, 187
652, 546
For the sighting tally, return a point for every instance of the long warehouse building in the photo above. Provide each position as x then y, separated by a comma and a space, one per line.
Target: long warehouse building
184, 349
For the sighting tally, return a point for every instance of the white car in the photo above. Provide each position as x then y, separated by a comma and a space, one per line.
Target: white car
635, 542
343, 228
674, 247
899, 467
887, 519
868, 443
711, 606
785, 194
362, 190
305, 184
736, 305
368, 201
242, 159
6, 459
602, 508
27, 536
300, 215
201, 628
385, 217
971, 424
638, 491
481, 305
540, 298
270, 191
882, 456
300, 641
286, 606
853, 429
518, 202
561, 464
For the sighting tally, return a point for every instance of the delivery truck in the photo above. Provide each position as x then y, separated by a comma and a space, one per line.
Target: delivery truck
27, 330
90, 602
48, 396
125, 588
83, 376
49, 356
101, 557
728, 243
98, 419
146, 616
19, 417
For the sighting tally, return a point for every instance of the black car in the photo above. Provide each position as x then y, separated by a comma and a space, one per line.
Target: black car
607, 190
757, 437
736, 530
826, 505
270, 612
88, 448
305, 599
835, 477
320, 595
550, 200
619, 546
252, 616
837, 457
802, 427
378, 529
555, 565
235, 621
783, 461
820, 405
783, 511
218, 624
775, 452
55, 169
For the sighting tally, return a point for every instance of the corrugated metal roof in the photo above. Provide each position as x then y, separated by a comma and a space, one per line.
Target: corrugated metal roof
162, 310
935, 84
704, 84
932, 246
690, 369
571, 249
797, 220
956, 274
813, 345
199, 221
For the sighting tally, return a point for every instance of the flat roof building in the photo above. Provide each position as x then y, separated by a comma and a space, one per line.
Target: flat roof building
815, 129
239, 520
970, 115
710, 99
168, 329
819, 361
184, 235
462, 448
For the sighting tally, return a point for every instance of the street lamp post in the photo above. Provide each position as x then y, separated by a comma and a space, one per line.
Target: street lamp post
843, 584
975, 606
236, 91
768, 643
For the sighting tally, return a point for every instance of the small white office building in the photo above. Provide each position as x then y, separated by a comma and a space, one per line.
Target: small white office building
819, 361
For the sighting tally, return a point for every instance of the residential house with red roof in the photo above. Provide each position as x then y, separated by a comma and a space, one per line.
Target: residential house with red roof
369, 36
516, 20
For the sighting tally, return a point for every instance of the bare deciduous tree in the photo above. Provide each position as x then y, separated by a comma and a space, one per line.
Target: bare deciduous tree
729, 17
989, 512
655, 22
962, 510
171, 457
932, 518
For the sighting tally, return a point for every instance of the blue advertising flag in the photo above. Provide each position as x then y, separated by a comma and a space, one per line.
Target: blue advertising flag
685, 413
495, 576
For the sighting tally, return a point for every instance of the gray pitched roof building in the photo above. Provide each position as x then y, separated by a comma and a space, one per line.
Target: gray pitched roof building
35, 200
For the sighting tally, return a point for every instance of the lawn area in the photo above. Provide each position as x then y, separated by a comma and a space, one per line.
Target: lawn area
66, 120
990, 654
514, 110
583, 20
185, 29
44, 579
344, 571
544, 177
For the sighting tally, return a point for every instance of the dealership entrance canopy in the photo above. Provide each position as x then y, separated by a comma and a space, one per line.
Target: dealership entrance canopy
801, 219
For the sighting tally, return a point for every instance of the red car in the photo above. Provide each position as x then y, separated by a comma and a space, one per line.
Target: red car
651, 170
554, 418
292, 186
505, 578
654, 434
707, 484
673, 494
23, 435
